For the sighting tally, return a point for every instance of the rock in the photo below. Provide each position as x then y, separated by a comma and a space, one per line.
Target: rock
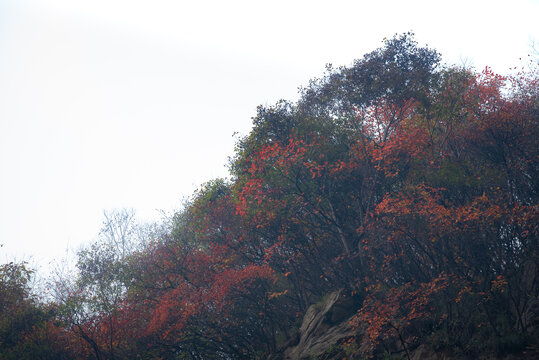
424, 352
324, 324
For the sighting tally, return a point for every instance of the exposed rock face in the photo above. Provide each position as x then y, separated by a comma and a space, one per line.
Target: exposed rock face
424, 352
324, 324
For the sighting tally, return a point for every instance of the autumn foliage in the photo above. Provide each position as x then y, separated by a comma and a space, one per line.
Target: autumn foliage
409, 185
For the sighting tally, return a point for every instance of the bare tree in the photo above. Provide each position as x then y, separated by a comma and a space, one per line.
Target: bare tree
120, 230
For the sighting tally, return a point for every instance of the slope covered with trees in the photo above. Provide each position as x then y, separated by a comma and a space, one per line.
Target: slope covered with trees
409, 187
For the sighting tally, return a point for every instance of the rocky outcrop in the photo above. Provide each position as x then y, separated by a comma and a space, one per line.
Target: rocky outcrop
323, 326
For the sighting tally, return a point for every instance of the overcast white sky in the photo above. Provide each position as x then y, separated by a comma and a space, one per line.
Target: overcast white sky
108, 104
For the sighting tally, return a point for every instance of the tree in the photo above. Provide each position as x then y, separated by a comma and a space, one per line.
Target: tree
27, 328
93, 304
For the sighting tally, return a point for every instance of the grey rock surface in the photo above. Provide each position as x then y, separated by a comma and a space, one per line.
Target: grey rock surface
324, 324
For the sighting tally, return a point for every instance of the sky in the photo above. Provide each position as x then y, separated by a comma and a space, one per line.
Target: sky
109, 104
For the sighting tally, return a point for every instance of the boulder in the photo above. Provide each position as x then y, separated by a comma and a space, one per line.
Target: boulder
324, 325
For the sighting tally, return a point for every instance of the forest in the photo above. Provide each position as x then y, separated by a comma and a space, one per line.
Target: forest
391, 211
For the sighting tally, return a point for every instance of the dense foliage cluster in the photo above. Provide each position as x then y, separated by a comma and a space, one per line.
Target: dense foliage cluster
410, 186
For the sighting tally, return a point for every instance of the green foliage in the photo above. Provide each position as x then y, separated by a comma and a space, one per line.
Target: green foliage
27, 330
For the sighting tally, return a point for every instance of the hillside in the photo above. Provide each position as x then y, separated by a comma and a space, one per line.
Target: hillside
391, 213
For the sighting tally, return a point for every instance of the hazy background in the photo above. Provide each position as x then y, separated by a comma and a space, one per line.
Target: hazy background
113, 104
